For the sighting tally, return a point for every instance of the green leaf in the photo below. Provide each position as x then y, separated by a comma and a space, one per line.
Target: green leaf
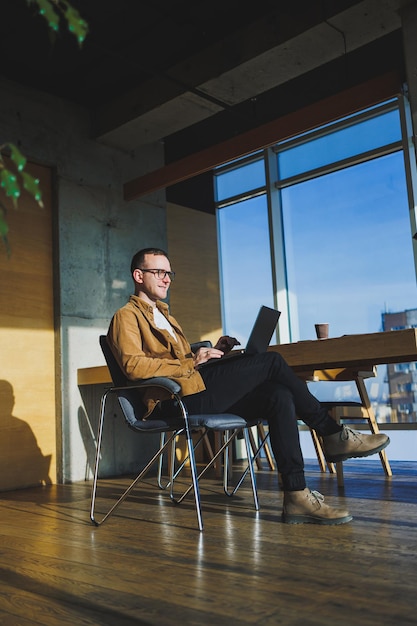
17, 157
31, 185
46, 9
9, 182
51, 10
76, 24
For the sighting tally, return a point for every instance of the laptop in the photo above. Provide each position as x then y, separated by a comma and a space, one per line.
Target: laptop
260, 336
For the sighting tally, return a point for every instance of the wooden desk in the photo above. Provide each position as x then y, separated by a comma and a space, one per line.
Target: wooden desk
350, 352
97, 375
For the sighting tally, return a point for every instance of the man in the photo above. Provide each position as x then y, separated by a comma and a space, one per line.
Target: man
147, 341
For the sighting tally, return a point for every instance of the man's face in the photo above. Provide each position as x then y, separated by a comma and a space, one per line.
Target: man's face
150, 286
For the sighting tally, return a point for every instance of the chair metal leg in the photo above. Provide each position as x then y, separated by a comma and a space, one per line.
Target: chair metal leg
98, 452
97, 464
193, 467
206, 467
250, 469
155, 457
160, 463
253, 456
228, 438
176, 471
209, 464
171, 461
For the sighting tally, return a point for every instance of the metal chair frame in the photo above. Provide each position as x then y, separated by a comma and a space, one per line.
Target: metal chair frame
173, 388
236, 425
185, 425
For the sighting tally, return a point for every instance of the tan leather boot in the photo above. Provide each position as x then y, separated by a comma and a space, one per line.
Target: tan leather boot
349, 443
308, 507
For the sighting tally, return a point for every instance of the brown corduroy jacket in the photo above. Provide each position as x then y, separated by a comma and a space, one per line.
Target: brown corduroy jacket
143, 350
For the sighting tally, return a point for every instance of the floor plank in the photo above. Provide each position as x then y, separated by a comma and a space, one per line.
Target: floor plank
148, 564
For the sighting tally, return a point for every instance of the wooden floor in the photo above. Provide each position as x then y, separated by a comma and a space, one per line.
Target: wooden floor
149, 565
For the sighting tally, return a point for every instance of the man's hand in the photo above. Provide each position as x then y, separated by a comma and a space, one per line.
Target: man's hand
205, 354
223, 346
226, 343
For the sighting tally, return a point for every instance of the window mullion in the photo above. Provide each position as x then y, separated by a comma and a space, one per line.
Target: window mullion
409, 151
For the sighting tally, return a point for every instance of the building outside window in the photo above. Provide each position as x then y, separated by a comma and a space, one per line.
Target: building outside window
320, 226
402, 377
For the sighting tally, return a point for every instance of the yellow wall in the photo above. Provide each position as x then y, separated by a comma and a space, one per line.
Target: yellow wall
195, 294
27, 362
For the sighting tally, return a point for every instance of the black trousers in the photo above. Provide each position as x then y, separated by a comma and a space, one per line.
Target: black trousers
264, 386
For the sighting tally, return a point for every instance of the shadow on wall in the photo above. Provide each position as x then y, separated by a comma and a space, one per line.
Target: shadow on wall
22, 463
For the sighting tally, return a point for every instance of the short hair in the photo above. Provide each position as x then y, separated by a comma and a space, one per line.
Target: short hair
139, 257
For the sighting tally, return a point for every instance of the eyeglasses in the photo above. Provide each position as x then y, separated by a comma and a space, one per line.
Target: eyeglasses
161, 274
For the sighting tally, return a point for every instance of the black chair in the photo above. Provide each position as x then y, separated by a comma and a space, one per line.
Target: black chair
130, 401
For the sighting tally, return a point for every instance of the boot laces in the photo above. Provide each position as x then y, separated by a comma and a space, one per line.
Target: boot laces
316, 496
349, 433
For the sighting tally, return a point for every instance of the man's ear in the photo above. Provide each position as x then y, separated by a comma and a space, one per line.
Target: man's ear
137, 276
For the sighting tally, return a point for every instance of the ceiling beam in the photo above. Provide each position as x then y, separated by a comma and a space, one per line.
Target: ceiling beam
265, 31
322, 112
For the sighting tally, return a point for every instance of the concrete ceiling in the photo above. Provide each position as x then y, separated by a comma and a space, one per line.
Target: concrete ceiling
151, 69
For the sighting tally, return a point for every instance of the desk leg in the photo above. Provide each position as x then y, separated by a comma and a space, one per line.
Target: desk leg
372, 420
254, 449
319, 452
267, 449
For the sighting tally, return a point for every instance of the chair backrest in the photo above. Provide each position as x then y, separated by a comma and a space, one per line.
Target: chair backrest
117, 375
130, 400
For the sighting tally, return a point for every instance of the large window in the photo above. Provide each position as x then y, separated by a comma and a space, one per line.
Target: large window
246, 264
325, 236
349, 254
245, 248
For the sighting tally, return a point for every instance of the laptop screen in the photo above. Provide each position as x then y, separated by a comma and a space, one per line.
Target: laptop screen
262, 331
